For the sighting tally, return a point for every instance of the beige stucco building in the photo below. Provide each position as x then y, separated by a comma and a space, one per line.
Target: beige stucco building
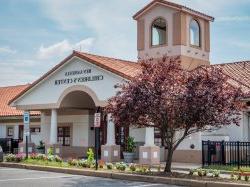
66, 98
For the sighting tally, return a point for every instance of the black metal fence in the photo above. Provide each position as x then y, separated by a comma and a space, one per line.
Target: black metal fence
225, 153
9, 145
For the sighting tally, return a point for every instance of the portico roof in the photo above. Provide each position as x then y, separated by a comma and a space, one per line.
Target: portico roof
123, 68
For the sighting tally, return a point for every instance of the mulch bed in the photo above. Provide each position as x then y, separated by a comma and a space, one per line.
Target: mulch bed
194, 177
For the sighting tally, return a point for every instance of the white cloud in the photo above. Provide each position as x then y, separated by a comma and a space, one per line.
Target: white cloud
233, 18
7, 50
61, 48
110, 23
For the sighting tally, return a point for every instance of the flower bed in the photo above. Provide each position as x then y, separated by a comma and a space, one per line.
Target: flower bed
56, 161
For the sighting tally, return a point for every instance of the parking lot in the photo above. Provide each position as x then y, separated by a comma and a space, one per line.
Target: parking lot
10, 177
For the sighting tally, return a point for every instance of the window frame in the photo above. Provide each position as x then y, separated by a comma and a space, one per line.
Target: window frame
200, 33
33, 130
151, 34
64, 136
8, 131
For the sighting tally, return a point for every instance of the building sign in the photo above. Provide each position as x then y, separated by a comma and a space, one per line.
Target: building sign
26, 122
97, 120
78, 76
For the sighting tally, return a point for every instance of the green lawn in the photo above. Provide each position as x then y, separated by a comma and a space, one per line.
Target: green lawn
227, 168
46, 163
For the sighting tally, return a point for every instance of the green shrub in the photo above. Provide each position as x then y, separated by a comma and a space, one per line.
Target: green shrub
90, 155
83, 163
132, 167
51, 158
239, 177
246, 178
14, 158
130, 145
41, 157
50, 151
10, 158
216, 173
142, 169
72, 162
232, 176
200, 172
109, 166
121, 166
191, 171
58, 159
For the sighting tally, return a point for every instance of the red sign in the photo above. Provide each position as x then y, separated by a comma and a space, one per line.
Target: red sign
97, 120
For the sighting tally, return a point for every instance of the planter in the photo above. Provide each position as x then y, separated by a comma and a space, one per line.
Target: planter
128, 157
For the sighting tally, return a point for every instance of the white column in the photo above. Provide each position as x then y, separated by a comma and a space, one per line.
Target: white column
16, 132
45, 135
3, 131
110, 131
53, 127
149, 136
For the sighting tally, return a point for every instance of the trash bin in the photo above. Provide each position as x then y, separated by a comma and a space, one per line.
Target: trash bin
1, 154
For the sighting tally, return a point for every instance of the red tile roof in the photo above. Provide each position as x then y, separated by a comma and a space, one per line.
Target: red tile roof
175, 6
126, 69
239, 72
6, 94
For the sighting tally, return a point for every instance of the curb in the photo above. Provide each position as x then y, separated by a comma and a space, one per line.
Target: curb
124, 176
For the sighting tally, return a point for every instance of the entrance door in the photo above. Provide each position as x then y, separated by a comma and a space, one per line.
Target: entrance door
121, 134
20, 133
63, 136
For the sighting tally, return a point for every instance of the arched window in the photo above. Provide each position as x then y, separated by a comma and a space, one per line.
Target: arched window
158, 32
195, 33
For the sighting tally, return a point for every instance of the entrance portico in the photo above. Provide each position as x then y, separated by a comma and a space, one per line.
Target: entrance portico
67, 98
75, 115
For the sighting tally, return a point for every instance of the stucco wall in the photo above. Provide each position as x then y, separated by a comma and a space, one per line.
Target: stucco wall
51, 93
170, 49
80, 127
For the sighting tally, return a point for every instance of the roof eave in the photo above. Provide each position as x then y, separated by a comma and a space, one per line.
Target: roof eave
174, 6
74, 54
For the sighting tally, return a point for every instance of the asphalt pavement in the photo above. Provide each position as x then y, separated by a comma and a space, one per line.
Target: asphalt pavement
10, 177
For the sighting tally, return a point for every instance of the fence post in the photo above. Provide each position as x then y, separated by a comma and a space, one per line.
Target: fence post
238, 154
223, 152
202, 152
209, 153
9, 145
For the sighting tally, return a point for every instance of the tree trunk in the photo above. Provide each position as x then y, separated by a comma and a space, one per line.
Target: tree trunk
169, 161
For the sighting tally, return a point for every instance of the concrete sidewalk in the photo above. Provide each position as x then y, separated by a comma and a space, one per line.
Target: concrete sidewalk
183, 166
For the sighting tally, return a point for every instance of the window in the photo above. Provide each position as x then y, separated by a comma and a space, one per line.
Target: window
158, 32
194, 33
63, 136
158, 141
10, 131
35, 130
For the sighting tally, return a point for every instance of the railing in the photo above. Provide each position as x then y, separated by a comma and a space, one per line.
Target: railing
225, 153
9, 145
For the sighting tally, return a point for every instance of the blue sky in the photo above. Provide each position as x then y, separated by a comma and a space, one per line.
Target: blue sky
36, 34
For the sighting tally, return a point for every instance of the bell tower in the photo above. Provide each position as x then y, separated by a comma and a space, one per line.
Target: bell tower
168, 29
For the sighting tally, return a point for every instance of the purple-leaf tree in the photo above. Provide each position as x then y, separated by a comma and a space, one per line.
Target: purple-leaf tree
176, 101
